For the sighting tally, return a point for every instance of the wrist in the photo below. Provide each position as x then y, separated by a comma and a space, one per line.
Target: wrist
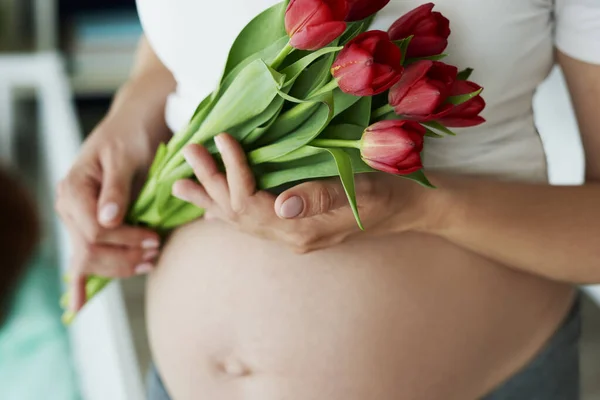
436, 211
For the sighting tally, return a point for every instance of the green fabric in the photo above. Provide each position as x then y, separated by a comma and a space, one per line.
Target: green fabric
35, 359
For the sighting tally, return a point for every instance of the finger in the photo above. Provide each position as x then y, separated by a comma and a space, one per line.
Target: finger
123, 236
77, 296
116, 262
77, 203
310, 199
192, 192
239, 175
208, 174
117, 178
129, 236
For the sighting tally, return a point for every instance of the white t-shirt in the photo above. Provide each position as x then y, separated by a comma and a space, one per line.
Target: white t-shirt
510, 43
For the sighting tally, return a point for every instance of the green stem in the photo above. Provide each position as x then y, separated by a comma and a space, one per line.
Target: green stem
286, 51
380, 112
335, 143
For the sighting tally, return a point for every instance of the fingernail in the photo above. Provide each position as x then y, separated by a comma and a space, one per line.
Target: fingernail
186, 155
149, 255
144, 269
292, 207
219, 143
108, 213
150, 244
177, 193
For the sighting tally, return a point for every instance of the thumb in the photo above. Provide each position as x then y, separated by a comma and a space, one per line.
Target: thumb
114, 195
310, 199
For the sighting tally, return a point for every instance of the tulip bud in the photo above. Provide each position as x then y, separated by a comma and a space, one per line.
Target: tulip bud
368, 65
421, 93
361, 9
430, 31
465, 114
393, 146
313, 24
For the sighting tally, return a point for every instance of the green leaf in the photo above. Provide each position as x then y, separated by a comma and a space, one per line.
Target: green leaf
164, 188
260, 130
293, 71
343, 132
344, 165
302, 152
267, 55
266, 28
430, 133
240, 132
180, 215
315, 76
287, 122
342, 101
321, 165
403, 46
352, 30
306, 132
420, 178
358, 113
181, 138
161, 152
439, 127
464, 74
250, 94
458, 100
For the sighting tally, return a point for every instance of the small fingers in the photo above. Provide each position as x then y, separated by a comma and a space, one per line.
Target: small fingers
208, 174
114, 262
190, 191
242, 184
129, 236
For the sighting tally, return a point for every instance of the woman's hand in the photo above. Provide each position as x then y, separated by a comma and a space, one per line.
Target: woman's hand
308, 217
93, 199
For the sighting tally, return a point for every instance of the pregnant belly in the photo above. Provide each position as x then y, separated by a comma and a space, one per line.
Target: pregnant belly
409, 317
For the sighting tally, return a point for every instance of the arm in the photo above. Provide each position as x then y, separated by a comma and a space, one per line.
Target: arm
141, 101
545, 230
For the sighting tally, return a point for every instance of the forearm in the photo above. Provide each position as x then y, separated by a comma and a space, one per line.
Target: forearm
144, 96
545, 230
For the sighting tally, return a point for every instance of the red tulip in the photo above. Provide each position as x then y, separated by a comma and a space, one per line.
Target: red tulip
393, 146
361, 9
313, 24
368, 65
467, 113
430, 31
421, 93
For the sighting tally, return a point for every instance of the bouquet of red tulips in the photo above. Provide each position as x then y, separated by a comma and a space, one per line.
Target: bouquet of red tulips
310, 92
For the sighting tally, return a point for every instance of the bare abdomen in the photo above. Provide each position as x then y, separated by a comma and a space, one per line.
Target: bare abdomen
232, 317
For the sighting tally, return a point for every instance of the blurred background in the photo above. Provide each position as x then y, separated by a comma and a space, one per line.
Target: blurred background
60, 64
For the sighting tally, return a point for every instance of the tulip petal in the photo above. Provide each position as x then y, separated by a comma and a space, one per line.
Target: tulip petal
425, 46
458, 122
361, 9
404, 25
412, 74
314, 37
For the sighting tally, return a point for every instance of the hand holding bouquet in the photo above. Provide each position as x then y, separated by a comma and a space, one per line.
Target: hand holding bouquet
310, 92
